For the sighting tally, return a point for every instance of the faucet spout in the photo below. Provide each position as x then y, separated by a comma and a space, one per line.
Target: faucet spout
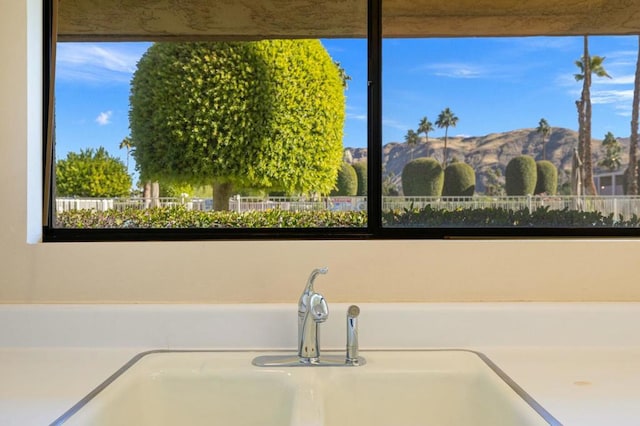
312, 278
312, 310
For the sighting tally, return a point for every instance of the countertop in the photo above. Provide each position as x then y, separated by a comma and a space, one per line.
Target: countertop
595, 382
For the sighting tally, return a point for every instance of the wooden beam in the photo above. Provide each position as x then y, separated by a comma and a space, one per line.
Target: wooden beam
86, 20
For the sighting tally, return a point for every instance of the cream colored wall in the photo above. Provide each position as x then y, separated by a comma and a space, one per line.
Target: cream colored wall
221, 272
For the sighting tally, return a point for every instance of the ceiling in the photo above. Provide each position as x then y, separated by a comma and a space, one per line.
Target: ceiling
254, 19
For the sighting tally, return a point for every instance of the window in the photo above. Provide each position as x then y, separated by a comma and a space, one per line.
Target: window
488, 137
401, 131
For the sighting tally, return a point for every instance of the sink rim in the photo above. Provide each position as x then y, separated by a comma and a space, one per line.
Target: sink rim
528, 399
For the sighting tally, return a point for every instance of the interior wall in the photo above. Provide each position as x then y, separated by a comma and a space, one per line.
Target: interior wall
265, 271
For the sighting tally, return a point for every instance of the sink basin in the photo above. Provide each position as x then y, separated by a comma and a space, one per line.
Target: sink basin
439, 387
444, 388
187, 388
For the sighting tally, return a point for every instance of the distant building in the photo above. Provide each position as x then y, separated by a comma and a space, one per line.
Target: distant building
609, 183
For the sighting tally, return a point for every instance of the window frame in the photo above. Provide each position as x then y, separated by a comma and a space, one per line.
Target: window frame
374, 228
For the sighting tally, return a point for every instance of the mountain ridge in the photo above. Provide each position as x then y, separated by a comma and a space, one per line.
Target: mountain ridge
490, 154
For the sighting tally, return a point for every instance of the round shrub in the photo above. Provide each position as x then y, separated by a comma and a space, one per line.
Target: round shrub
520, 176
266, 115
422, 177
347, 183
547, 178
361, 171
459, 180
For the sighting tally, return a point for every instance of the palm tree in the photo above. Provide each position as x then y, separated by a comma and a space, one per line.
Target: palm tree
426, 127
126, 143
588, 65
446, 119
411, 138
632, 176
612, 153
545, 130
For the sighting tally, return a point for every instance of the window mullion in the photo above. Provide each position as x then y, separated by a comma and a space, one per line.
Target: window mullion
374, 133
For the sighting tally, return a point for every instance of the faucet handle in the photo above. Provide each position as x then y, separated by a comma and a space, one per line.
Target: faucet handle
319, 307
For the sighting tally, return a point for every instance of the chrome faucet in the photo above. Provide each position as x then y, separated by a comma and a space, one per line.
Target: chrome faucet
313, 310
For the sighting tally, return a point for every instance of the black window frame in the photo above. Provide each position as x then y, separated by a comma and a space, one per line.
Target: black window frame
374, 228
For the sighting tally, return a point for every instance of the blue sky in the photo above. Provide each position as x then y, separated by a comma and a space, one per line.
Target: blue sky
491, 84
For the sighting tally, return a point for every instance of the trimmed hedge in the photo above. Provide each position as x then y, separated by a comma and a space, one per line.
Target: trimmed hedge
180, 217
347, 182
361, 172
520, 176
459, 180
547, 178
422, 177
429, 217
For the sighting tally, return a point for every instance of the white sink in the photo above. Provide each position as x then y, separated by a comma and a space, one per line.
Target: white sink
443, 388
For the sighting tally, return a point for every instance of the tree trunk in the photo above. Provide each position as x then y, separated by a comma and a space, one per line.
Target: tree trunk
587, 161
146, 194
221, 194
580, 130
155, 194
632, 172
577, 189
444, 157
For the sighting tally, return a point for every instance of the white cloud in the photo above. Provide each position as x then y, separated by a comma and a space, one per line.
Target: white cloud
361, 117
617, 80
95, 62
104, 118
394, 124
611, 96
457, 70
623, 110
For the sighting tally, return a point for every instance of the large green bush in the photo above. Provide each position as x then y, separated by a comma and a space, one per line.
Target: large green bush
347, 182
459, 180
422, 177
266, 114
361, 170
92, 173
547, 178
520, 176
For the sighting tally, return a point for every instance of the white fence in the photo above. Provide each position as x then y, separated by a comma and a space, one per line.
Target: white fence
626, 206
243, 204
104, 204
236, 203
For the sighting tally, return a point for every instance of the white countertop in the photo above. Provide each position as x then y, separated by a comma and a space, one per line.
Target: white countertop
583, 384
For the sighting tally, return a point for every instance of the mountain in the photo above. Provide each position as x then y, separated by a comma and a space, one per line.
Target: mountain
489, 155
